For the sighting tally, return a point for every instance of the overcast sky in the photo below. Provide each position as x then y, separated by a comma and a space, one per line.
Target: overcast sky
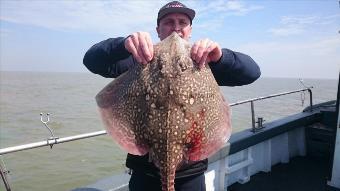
295, 38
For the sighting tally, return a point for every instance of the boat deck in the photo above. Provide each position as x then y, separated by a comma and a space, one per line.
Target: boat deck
300, 174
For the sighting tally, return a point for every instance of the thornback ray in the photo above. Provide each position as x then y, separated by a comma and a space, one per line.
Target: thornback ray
168, 108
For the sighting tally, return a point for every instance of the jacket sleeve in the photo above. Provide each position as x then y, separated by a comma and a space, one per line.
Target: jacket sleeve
235, 69
108, 58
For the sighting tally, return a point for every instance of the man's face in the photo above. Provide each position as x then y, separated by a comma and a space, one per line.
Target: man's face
174, 22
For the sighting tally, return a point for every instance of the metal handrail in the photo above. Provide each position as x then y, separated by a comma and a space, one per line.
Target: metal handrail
275, 95
50, 142
55, 140
251, 101
3, 174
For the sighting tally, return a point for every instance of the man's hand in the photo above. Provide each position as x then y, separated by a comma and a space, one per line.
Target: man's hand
205, 51
140, 45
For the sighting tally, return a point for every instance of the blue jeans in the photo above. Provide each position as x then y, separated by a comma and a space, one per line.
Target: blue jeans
142, 182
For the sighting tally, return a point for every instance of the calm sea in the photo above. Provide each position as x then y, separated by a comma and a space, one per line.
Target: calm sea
69, 98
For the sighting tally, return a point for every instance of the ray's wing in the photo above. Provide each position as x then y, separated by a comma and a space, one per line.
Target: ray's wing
214, 136
120, 112
211, 124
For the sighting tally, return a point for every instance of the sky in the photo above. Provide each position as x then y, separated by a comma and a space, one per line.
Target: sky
295, 39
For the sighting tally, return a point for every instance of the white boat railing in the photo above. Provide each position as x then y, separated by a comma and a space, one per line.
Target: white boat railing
50, 142
56, 140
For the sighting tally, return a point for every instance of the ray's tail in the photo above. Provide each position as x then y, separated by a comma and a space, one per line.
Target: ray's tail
168, 168
168, 180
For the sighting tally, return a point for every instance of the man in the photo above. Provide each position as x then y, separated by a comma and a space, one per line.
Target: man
114, 56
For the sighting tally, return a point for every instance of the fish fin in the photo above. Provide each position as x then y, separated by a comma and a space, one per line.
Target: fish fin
222, 131
119, 115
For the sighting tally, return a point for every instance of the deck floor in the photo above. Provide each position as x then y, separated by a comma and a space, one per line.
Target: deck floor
300, 174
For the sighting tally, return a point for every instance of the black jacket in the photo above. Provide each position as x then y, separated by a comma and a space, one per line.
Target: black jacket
110, 59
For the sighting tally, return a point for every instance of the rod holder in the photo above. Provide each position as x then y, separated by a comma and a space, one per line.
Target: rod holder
259, 122
45, 121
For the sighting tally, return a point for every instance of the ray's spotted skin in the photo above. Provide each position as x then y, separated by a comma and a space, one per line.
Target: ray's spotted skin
169, 108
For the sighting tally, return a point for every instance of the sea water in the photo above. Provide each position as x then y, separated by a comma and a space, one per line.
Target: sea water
69, 98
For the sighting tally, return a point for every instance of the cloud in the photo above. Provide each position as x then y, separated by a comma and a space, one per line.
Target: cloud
240, 8
4, 32
225, 7
306, 59
287, 31
295, 25
106, 17
112, 17
211, 15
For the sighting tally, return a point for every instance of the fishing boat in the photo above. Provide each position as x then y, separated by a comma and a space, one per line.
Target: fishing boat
297, 152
